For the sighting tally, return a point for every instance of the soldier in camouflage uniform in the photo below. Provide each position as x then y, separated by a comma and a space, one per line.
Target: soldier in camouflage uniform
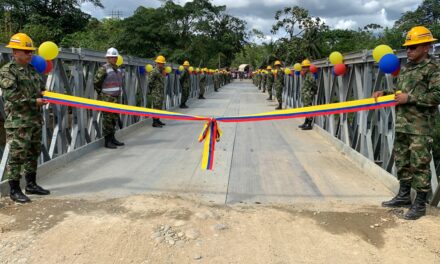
202, 83
185, 84
216, 81
156, 86
269, 82
308, 92
279, 84
416, 109
108, 85
259, 77
263, 81
22, 89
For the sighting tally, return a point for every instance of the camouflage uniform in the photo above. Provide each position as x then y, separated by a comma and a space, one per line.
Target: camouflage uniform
259, 76
263, 81
269, 83
109, 120
21, 86
202, 84
279, 85
309, 89
156, 86
185, 84
216, 81
415, 122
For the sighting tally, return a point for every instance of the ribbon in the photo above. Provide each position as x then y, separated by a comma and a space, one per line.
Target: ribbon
211, 132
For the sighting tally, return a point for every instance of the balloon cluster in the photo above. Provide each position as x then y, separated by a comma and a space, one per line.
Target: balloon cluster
46, 53
297, 67
388, 61
337, 60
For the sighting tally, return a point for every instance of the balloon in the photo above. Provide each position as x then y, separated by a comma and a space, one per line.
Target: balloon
191, 69
313, 69
149, 68
336, 58
381, 51
297, 67
315, 75
340, 69
396, 72
48, 50
120, 60
141, 70
297, 73
168, 69
39, 63
389, 63
303, 73
177, 72
197, 70
181, 68
49, 67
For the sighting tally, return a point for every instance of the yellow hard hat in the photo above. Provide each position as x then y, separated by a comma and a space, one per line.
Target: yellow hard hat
269, 68
305, 63
21, 41
277, 63
160, 59
186, 63
418, 35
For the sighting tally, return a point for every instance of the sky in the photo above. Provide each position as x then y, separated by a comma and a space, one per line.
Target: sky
259, 14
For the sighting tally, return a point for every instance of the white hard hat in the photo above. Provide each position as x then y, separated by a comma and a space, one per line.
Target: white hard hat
112, 52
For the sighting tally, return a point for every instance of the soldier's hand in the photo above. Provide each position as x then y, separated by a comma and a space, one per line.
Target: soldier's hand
401, 98
377, 94
41, 101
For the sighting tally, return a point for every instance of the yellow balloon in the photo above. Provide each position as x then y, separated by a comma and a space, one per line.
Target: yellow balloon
191, 69
297, 67
48, 50
197, 70
336, 58
149, 67
381, 51
287, 71
120, 60
181, 68
168, 69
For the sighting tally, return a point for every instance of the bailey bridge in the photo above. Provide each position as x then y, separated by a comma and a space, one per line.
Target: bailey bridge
346, 157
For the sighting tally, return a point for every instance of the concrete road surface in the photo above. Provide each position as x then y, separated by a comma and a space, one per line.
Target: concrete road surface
262, 162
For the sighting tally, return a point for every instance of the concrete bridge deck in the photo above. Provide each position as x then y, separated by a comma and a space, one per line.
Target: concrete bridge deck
266, 162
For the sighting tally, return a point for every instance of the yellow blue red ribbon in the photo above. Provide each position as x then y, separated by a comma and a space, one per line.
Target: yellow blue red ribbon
211, 132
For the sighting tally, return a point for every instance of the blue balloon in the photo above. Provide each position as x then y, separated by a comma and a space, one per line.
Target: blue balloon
39, 63
315, 75
177, 72
297, 73
142, 70
389, 63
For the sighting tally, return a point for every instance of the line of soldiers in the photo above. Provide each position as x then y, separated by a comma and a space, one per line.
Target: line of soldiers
270, 80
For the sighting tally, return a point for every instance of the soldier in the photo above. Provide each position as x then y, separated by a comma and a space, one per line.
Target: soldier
259, 77
269, 82
157, 88
263, 81
22, 89
108, 85
202, 83
216, 81
308, 92
185, 84
279, 84
419, 83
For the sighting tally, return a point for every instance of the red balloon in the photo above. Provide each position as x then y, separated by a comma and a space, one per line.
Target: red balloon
313, 69
49, 67
340, 69
303, 73
396, 72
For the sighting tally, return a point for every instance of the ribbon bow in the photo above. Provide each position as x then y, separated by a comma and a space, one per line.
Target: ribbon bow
211, 134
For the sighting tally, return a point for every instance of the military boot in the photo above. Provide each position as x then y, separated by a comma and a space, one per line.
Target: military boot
280, 106
32, 187
115, 141
160, 122
108, 142
183, 105
156, 123
304, 124
418, 209
16, 194
308, 125
270, 98
403, 197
